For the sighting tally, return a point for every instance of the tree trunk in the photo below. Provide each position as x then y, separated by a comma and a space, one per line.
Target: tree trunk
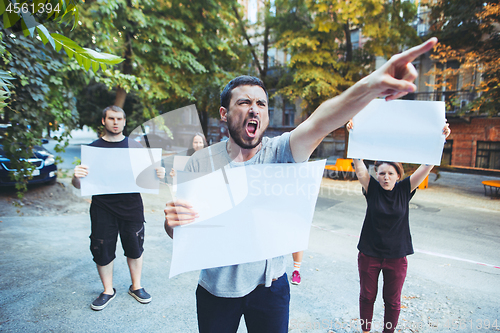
266, 56
252, 48
348, 43
203, 114
121, 94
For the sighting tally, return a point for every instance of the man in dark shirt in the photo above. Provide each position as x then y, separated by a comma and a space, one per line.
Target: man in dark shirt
111, 214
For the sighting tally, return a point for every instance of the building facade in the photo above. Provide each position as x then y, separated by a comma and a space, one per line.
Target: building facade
475, 139
474, 143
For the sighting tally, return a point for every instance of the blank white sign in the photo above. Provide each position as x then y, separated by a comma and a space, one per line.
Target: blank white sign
399, 131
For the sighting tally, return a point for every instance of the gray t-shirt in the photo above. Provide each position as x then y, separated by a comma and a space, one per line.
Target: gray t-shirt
240, 280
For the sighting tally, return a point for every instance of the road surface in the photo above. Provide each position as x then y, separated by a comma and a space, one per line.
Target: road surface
48, 278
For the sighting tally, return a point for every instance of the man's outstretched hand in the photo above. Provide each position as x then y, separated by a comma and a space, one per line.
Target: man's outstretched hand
395, 78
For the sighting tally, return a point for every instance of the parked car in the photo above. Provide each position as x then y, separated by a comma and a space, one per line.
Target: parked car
44, 162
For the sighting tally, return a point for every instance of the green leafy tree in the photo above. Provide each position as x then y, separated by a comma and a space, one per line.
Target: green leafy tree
39, 97
212, 26
173, 50
34, 94
324, 60
29, 17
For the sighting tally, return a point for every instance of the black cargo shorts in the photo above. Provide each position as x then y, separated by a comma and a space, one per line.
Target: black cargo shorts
105, 228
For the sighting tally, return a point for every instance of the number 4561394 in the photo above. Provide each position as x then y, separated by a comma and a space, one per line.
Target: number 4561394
470, 324
25, 8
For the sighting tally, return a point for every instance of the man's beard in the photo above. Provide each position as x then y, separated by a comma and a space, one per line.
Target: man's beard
237, 135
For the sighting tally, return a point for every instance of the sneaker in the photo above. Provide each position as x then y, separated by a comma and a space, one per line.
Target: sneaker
102, 301
296, 277
140, 295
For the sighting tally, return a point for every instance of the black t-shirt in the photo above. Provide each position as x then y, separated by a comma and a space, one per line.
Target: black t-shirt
386, 229
126, 206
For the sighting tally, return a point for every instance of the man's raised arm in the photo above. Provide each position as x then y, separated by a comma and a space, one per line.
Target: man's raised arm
393, 80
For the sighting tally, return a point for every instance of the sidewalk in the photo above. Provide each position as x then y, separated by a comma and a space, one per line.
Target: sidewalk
459, 189
450, 188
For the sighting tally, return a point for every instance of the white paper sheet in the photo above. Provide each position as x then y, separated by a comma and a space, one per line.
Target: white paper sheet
265, 211
120, 170
178, 165
180, 162
399, 131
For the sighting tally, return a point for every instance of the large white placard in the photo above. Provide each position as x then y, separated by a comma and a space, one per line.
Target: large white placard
399, 131
180, 162
120, 170
260, 212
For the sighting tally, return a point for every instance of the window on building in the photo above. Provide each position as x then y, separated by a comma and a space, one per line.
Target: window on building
488, 155
288, 113
355, 38
271, 53
446, 158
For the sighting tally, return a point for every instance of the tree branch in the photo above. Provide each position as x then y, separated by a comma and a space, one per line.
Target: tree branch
252, 48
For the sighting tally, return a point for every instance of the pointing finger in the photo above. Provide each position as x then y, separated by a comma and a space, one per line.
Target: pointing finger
413, 53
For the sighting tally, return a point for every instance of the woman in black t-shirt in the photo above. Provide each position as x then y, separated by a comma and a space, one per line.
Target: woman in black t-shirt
385, 239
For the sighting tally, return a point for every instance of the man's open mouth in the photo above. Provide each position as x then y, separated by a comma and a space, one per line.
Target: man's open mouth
251, 127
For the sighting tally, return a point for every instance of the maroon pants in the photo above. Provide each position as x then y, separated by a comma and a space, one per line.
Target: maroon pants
394, 272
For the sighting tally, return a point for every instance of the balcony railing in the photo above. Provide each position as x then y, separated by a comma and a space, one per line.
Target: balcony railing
455, 100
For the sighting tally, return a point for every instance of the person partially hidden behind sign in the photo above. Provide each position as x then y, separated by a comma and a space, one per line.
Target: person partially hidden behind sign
385, 239
259, 291
113, 214
199, 142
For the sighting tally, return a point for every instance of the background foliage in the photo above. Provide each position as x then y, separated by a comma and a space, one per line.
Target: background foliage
317, 33
469, 34
176, 53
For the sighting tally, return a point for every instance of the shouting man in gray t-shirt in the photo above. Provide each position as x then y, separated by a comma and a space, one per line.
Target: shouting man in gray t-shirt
259, 290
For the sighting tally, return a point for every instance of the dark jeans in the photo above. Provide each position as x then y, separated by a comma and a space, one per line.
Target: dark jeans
265, 310
394, 272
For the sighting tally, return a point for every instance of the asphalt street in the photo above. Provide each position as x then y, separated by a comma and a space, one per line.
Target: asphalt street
48, 278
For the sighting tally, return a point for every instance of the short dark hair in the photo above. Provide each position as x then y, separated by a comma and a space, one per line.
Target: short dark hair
243, 80
113, 108
398, 166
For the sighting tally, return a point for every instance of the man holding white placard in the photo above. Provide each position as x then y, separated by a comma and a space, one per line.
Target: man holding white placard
259, 290
111, 214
